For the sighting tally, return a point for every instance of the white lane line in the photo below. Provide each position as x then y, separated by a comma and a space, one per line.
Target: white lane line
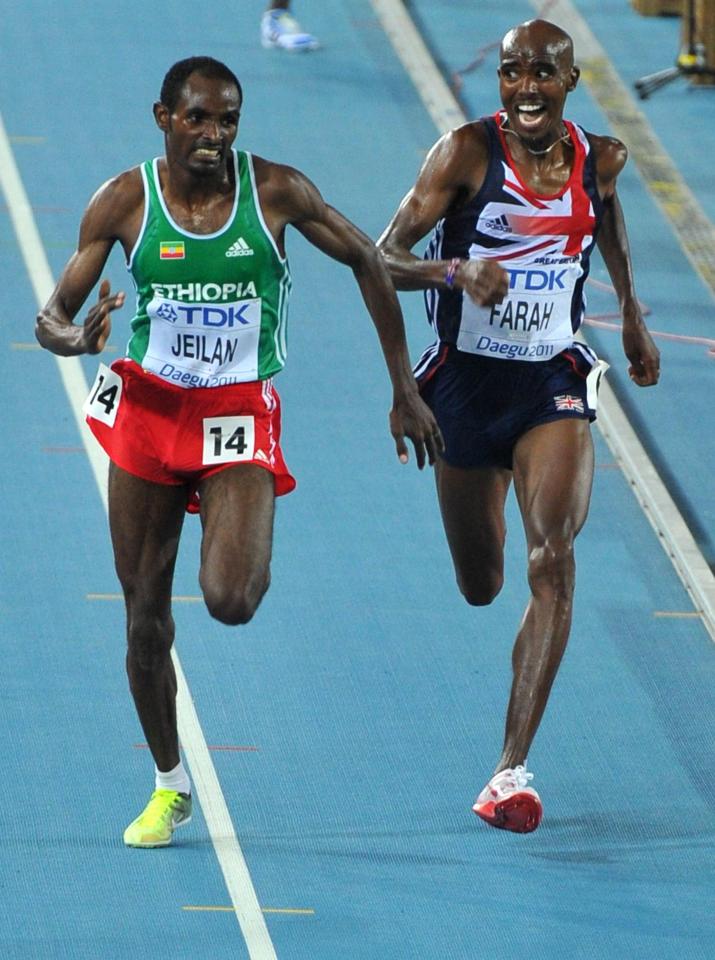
203, 773
657, 504
696, 236
223, 835
412, 52
693, 229
650, 491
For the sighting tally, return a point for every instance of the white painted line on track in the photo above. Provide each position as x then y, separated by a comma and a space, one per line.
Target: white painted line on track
40, 276
650, 491
696, 236
424, 73
657, 504
693, 229
208, 789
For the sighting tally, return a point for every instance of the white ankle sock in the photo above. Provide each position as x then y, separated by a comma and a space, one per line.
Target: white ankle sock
176, 779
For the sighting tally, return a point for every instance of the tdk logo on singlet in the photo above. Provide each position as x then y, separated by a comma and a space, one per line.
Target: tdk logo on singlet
205, 315
167, 312
535, 280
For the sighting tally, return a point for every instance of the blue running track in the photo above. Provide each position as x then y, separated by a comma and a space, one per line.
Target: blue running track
352, 722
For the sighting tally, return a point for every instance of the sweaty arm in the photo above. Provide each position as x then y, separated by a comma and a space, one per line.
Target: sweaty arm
452, 173
287, 196
638, 345
108, 218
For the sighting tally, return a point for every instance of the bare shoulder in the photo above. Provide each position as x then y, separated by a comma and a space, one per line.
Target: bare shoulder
285, 189
472, 135
462, 145
277, 176
610, 155
115, 204
457, 161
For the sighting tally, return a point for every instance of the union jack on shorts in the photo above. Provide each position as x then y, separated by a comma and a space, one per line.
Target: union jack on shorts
567, 402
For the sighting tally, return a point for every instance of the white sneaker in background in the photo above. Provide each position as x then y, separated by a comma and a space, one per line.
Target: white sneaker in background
281, 31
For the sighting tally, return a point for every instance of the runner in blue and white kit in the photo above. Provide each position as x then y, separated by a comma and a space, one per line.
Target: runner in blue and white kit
516, 203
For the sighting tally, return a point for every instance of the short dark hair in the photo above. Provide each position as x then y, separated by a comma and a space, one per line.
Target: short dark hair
177, 76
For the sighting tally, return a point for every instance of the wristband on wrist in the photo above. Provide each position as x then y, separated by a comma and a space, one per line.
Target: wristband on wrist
451, 272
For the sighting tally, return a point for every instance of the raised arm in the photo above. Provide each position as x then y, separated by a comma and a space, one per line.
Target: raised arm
452, 173
638, 345
108, 218
289, 197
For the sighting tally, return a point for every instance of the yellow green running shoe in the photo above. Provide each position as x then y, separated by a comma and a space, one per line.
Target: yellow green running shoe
154, 826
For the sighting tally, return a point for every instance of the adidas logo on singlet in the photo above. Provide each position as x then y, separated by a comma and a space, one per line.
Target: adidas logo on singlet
239, 249
500, 223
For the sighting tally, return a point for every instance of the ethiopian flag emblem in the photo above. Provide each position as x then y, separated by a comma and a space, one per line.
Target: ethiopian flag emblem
171, 250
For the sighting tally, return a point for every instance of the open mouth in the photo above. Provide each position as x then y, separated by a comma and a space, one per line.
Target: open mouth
530, 114
207, 153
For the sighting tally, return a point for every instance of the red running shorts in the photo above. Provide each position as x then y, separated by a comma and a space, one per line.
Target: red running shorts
172, 435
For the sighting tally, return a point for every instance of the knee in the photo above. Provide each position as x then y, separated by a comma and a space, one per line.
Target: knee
552, 566
231, 609
481, 591
233, 603
149, 641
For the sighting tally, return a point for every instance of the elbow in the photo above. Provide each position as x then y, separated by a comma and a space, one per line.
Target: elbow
389, 259
386, 251
367, 260
40, 329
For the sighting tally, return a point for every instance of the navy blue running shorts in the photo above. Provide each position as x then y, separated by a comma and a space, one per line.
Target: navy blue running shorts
484, 405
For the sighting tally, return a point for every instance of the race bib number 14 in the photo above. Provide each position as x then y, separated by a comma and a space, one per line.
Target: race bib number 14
228, 439
103, 400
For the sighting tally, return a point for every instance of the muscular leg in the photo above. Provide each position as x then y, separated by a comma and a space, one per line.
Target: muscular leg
237, 510
553, 474
145, 521
472, 505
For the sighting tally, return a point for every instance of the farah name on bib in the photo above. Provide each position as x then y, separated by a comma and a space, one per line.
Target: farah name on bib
535, 313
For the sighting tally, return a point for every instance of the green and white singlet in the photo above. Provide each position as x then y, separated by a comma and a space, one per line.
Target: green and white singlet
211, 308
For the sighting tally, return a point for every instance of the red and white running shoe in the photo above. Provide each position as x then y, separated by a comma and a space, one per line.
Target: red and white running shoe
508, 803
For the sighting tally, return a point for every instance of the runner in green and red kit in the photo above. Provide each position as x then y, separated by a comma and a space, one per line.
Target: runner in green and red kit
211, 313
190, 418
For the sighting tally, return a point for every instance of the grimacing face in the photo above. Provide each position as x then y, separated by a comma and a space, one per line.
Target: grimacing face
202, 127
536, 74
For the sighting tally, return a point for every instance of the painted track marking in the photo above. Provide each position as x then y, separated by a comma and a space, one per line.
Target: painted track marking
648, 488
210, 796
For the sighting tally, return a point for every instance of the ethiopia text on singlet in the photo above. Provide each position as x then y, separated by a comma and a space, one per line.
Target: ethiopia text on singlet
211, 309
